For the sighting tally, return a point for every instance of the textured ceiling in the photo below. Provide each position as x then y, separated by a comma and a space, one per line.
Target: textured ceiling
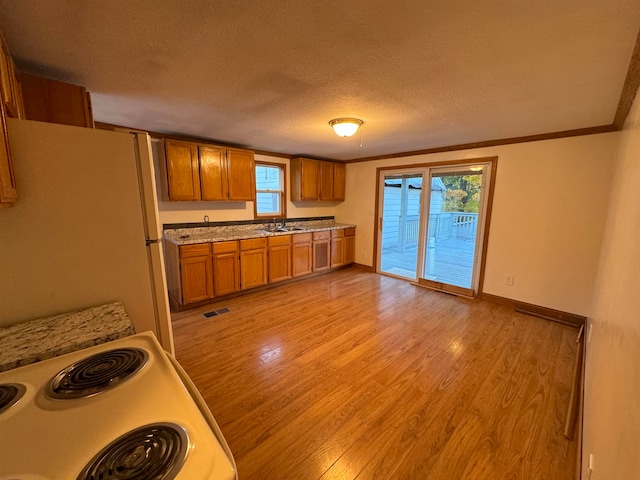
270, 75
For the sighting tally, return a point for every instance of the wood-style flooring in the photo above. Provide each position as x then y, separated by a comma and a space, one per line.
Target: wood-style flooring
354, 375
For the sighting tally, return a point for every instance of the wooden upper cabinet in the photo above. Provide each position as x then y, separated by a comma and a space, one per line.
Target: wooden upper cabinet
207, 172
8, 190
47, 100
326, 181
11, 89
241, 171
10, 105
183, 173
213, 173
316, 180
339, 171
305, 174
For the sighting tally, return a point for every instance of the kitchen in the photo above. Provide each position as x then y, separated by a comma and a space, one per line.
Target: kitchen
559, 279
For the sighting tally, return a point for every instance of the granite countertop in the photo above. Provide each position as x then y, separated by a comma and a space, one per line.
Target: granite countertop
36, 340
189, 236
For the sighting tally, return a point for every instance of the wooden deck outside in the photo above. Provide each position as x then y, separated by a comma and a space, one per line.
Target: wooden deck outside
451, 261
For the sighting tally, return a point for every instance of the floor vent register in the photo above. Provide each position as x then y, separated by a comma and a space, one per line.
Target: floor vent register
220, 311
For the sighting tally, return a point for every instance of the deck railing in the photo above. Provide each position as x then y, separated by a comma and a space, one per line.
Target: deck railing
442, 225
453, 225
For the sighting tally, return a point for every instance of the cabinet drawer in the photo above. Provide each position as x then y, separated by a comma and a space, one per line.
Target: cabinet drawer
253, 243
225, 247
279, 240
337, 233
302, 238
350, 232
321, 236
196, 250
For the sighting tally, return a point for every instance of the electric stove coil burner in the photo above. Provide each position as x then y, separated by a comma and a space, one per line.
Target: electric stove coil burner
10, 393
152, 452
97, 373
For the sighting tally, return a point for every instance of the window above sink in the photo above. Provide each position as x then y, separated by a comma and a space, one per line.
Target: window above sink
270, 190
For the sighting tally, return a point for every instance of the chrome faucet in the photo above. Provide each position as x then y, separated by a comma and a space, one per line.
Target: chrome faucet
284, 222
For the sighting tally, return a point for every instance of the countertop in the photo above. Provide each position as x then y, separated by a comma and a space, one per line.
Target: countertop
189, 236
35, 340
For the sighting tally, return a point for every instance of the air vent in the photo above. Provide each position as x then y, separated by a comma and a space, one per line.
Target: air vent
220, 311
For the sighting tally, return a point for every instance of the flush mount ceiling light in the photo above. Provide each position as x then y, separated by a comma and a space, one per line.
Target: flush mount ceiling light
345, 127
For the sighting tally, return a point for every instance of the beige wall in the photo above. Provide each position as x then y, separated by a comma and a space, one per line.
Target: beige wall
548, 214
612, 386
179, 212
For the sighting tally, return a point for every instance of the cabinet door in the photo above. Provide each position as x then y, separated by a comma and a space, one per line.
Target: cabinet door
349, 249
213, 173
339, 171
47, 100
279, 263
68, 104
226, 273
253, 268
321, 256
9, 81
8, 191
183, 174
197, 279
241, 174
326, 181
301, 259
309, 177
337, 251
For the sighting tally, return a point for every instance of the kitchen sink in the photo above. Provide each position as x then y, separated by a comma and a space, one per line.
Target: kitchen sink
272, 229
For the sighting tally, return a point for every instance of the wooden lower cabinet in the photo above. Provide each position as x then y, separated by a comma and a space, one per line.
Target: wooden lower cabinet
226, 268
253, 263
337, 248
197, 284
279, 258
349, 245
301, 254
321, 251
196, 273
199, 272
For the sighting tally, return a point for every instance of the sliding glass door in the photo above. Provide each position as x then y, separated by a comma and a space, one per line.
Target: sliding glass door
400, 224
431, 225
452, 229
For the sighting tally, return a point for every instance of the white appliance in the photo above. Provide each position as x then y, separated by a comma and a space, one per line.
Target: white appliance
85, 229
125, 406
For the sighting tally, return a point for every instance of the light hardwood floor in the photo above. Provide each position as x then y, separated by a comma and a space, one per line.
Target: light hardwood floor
353, 375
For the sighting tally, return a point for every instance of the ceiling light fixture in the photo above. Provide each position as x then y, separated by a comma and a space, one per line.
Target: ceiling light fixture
345, 127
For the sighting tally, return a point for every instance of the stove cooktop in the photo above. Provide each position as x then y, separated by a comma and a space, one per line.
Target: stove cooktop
116, 410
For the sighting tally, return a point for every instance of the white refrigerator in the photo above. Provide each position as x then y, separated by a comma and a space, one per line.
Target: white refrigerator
85, 229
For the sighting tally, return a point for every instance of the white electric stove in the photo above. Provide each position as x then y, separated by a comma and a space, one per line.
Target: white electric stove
120, 410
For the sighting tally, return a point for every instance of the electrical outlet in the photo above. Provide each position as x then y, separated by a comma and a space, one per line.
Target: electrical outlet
508, 280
